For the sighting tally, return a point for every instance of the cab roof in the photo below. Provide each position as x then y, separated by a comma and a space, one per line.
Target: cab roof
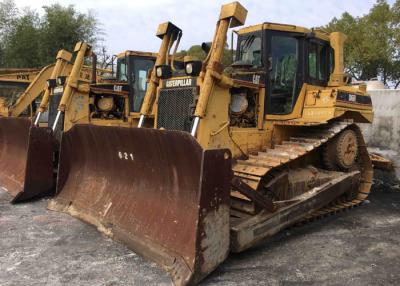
284, 27
144, 55
138, 54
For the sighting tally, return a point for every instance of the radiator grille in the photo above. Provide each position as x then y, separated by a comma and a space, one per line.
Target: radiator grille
175, 108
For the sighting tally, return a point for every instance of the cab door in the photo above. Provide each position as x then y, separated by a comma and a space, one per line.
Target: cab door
138, 72
285, 72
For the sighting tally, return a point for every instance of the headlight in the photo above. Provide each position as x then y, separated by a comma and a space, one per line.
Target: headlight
189, 68
159, 72
163, 71
193, 68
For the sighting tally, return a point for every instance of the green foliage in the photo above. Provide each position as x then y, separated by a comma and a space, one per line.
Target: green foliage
22, 47
197, 52
8, 12
62, 27
30, 40
372, 48
194, 51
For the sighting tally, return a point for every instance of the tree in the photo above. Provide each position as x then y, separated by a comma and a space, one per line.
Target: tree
197, 52
62, 27
30, 40
372, 48
104, 58
22, 47
8, 12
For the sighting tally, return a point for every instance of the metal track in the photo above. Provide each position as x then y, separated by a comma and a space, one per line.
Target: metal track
296, 149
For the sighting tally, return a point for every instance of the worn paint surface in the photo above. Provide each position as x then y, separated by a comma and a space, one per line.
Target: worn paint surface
26, 158
148, 189
215, 242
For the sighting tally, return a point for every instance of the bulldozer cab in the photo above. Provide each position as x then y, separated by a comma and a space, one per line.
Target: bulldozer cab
283, 58
131, 76
287, 60
119, 100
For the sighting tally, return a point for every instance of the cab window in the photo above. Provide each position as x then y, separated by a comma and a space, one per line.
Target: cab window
318, 62
122, 70
142, 80
250, 50
283, 66
140, 70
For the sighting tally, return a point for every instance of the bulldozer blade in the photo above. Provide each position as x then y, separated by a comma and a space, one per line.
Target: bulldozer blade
26, 159
156, 191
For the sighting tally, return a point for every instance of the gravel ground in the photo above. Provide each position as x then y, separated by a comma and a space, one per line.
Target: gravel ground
356, 247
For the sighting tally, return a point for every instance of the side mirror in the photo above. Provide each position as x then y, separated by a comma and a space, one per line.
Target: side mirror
310, 35
51, 83
206, 46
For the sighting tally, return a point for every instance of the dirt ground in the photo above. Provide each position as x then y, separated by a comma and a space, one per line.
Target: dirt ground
356, 247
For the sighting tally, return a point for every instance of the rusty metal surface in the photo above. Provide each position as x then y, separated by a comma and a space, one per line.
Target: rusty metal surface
262, 226
254, 169
380, 162
26, 158
256, 197
355, 193
156, 191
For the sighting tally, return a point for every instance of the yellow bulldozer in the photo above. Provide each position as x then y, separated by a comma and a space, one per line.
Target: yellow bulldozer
21, 89
231, 159
31, 151
25, 104
18, 139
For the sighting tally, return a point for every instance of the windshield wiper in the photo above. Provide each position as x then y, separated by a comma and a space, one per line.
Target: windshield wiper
248, 42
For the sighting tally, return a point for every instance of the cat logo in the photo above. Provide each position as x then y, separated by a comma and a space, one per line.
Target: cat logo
256, 79
23, 76
352, 97
118, 88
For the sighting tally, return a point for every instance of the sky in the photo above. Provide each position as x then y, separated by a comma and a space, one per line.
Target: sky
131, 24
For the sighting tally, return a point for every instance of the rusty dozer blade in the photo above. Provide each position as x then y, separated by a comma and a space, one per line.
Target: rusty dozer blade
156, 191
26, 159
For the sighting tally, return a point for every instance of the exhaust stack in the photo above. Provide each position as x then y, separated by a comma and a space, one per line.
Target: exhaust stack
337, 40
